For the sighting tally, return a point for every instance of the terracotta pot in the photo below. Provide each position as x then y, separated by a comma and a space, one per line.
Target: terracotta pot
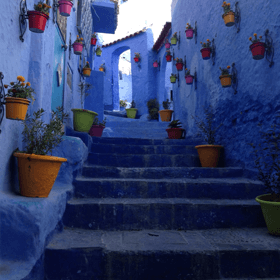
16, 108
225, 80
155, 64
37, 21
173, 80
229, 19
98, 52
209, 155
189, 33
167, 45
78, 48
136, 59
176, 133
37, 173
173, 41
65, 7
189, 79
96, 130
168, 58
206, 52
165, 115
179, 66
258, 50
86, 72
93, 41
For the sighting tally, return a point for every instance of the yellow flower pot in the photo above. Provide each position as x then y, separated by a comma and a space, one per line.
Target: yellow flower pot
225, 80
16, 108
86, 72
101, 69
229, 19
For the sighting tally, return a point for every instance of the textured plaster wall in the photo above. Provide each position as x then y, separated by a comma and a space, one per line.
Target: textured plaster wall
257, 99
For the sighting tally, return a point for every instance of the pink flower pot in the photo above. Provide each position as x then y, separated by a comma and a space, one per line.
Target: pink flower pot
155, 64
179, 66
167, 45
78, 48
96, 130
258, 50
37, 21
189, 33
189, 79
93, 41
65, 7
205, 53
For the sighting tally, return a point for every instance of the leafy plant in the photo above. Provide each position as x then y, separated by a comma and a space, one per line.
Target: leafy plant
123, 103
225, 71
79, 40
206, 128
153, 108
267, 159
84, 88
97, 122
226, 7
42, 7
206, 45
174, 35
94, 35
168, 52
137, 54
41, 138
255, 39
188, 72
132, 105
178, 60
188, 26
173, 75
175, 124
87, 66
166, 104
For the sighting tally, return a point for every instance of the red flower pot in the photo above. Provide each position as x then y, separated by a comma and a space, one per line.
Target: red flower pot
168, 57
258, 50
179, 66
136, 59
167, 45
189, 79
155, 64
96, 130
37, 21
176, 133
78, 48
205, 53
189, 33
93, 41
65, 7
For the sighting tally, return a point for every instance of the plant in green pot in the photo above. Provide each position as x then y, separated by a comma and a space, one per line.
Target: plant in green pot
38, 170
175, 131
153, 108
83, 119
132, 111
208, 154
267, 160
166, 113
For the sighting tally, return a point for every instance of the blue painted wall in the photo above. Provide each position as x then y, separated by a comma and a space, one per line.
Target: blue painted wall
125, 88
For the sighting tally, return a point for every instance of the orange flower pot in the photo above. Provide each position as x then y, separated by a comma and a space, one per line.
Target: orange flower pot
101, 69
37, 173
16, 108
86, 72
229, 19
209, 155
225, 80
165, 115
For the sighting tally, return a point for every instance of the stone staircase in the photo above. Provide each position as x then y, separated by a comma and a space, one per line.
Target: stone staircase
143, 209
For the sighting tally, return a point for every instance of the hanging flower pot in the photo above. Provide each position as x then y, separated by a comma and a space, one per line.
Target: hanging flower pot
225, 80
101, 69
98, 51
137, 57
179, 66
65, 7
37, 21
93, 41
87, 70
258, 50
189, 79
228, 15
189, 31
167, 45
155, 64
173, 78
206, 50
173, 41
168, 58
78, 48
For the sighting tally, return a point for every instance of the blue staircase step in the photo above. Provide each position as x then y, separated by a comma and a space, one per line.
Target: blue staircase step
163, 214
237, 188
247, 253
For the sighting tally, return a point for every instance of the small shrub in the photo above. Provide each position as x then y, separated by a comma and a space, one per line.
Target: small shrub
153, 108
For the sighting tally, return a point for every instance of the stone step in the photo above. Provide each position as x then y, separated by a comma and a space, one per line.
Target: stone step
162, 214
107, 172
237, 188
239, 253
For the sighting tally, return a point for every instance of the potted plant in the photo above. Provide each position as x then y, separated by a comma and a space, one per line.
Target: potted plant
189, 31
179, 64
175, 131
257, 47
173, 78
93, 39
174, 39
98, 51
225, 78
102, 67
78, 46
167, 44
38, 18
37, 170
188, 76
16, 99
206, 49
153, 108
132, 111
65, 7
136, 57
86, 70
97, 127
122, 104
228, 14
155, 64
166, 113
208, 154
168, 56
83, 119
267, 160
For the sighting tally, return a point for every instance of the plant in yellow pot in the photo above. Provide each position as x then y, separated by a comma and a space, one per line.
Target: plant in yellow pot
17, 98
86, 70
225, 77
208, 154
38, 170
267, 160
166, 114
228, 15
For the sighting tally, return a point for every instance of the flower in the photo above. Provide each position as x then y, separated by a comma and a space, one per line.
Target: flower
137, 54
188, 71
5, 86
23, 84
226, 7
207, 44
228, 67
179, 60
255, 34
255, 40
188, 26
28, 84
42, 7
225, 70
21, 78
12, 83
208, 40
79, 40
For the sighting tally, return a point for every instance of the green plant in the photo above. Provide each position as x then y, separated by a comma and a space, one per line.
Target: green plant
255, 40
79, 40
188, 26
168, 52
94, 35
137, 54
123, 103
226, 7
174, 35
267, 158
20, 89
173, 75
188, 72
84, 88
178, 60
97, 122
207, 44
132, 105
166, 104
175, 124
153, 108
225, 71
206, 128
87, 66
41, 138
42, 7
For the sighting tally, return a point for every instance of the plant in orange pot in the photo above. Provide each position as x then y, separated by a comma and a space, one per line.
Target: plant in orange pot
86, 70
38, 170
208, 154
228, 15
225, 77
166, 114
17, 98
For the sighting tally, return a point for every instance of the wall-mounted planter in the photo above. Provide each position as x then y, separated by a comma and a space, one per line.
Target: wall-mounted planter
37, 21
93, 41
136, 59
258, 50
167, 45
98, 52
179, 66
78, 48
65, 7
206, 53
96, 130
225, 80
86, 72
173, 41
83, 119
189, 79
229, 19
16, 108
168, 58
189, 33
173, 79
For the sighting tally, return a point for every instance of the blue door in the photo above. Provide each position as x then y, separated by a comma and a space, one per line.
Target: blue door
58, 71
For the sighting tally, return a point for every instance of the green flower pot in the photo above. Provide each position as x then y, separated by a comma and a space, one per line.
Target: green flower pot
98, 52
131, 113
83, 119
173, 41
173, 80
